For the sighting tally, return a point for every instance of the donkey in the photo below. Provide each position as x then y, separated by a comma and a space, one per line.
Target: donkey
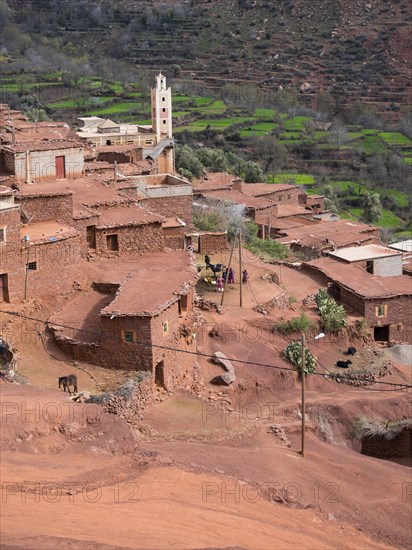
66, 381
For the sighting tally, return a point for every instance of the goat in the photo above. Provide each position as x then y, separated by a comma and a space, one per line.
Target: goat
66, 381
343, 364
351, 351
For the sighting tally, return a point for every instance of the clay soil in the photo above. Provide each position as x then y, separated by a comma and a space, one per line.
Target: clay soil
219, 470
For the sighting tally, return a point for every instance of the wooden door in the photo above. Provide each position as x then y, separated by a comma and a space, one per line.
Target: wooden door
60, 168
4, 292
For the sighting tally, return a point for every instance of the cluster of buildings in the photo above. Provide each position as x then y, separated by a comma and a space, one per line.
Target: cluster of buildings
104, 204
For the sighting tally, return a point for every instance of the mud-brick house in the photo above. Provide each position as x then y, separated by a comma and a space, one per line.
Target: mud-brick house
11, 268
37, 259
127, 229
48, 160
135, 318
371, 284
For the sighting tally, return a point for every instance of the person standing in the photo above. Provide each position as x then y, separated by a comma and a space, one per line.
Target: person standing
207, 260
245, 276
231, 276
219, 284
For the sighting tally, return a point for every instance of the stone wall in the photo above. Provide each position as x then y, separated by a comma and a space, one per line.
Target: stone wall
398, 316
132, 239
170, 207
399, 446
43, 208
81, 224
10, 254
212, 243
174, 237
56, 262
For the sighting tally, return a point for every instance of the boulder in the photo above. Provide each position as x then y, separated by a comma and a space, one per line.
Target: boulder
221, 359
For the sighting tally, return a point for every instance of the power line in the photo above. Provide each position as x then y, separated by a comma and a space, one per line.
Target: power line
197, 353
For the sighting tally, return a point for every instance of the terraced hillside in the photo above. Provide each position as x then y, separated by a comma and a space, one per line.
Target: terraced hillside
349, 48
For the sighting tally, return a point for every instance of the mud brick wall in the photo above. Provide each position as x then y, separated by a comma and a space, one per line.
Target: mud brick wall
398, 316
43, 208
212, 243
10, 254
140, 239
55, 266
349, 299
399, 446
170, 207
174, 238
290, 196
81, 224
179, 368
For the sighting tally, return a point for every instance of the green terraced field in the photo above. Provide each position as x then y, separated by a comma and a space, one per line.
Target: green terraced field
298, 179
296, 123
387, 219
395, 138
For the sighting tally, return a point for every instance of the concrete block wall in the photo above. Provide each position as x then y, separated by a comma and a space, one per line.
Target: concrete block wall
388, 267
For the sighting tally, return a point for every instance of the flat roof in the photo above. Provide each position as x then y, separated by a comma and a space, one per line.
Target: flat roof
127, 215
236, 197
356, 279
404, 246
340, 233
153, 285
365, 252
260, 189
47, 232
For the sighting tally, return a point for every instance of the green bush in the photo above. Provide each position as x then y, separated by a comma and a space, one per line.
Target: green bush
269, 248
293, 354
297, 324
333, 316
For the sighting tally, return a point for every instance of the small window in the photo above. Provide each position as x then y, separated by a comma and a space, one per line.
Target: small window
289, 197
112, 242
31, 266
164, 109
128, 336
163, 99
2, 234
183, 303
381, 311
164, 122
165, 328
280, 198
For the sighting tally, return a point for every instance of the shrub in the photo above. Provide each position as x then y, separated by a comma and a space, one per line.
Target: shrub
293, 354
333, 316
297, 324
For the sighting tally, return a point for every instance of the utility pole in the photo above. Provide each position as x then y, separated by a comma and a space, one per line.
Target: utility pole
228, 267
302, 451
240, 269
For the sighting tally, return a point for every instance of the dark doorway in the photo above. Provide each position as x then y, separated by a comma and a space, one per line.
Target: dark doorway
160, 374
91, 236
4, 288
369, 267
112, 242
381, 334
60, 168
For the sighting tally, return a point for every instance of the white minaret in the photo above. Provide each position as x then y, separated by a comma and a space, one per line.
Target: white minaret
162, 109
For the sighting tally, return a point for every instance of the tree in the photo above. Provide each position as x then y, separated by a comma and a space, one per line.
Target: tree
252, 173
372, 208
338, 135
272, 153
330, 198
5, 14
